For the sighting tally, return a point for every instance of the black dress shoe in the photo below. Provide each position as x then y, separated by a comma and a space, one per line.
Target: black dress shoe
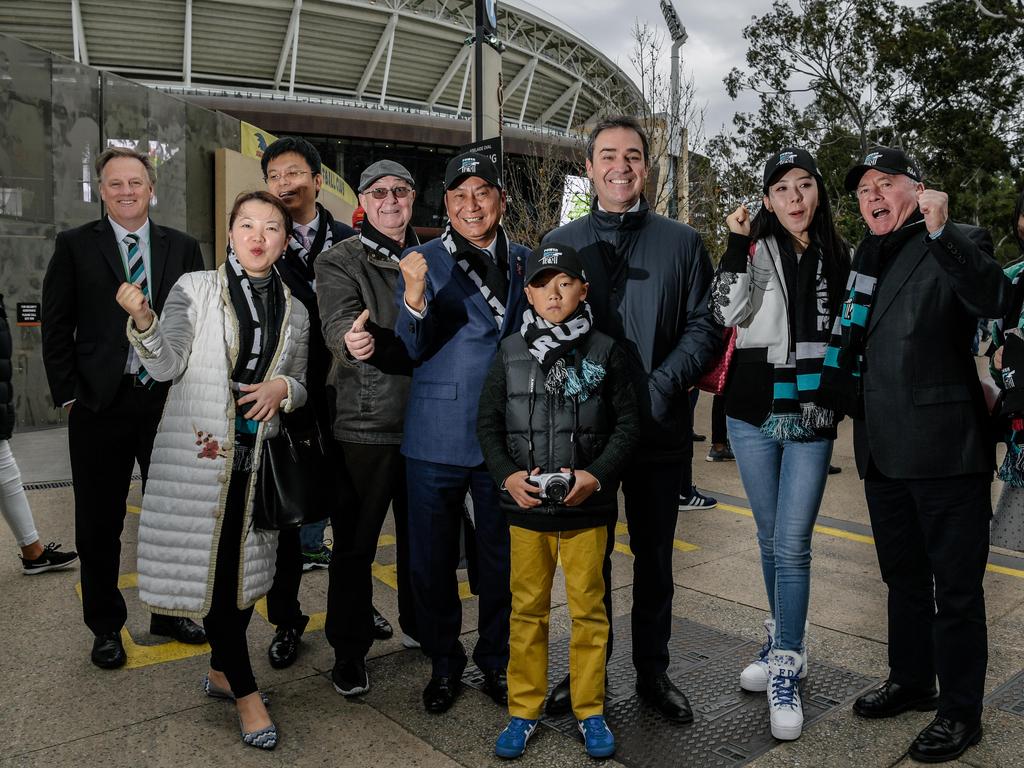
944, 739
440, 694
382, 629
107, 651
181, 629
559, 701
890, 699
284, 648
660, 693
496, 686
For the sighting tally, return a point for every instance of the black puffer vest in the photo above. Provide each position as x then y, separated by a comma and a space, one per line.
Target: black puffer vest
6, 371
551, 428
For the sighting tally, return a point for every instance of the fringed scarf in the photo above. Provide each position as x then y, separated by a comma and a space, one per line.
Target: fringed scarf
379, 243
795, 414
551, 344
258, 332
489, 275
302, 259
840, 387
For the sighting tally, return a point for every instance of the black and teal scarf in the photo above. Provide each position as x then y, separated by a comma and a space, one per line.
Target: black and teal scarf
376, 241
553, 344
258, 333
302, 259
489, 275
795, 413
844, 358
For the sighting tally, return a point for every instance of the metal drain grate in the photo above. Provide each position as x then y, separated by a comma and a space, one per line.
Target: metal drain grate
730, 726
1009, 696
50, 485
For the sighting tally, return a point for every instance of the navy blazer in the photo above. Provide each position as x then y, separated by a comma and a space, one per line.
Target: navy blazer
453, 347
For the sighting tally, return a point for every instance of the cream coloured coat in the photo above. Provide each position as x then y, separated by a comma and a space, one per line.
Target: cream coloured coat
195, 344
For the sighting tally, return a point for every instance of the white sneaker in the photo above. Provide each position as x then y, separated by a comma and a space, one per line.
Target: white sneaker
754, 677
787, 714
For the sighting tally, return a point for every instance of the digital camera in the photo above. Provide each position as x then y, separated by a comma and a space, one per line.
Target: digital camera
554, 486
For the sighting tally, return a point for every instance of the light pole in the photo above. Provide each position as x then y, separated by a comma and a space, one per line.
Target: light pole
678, 34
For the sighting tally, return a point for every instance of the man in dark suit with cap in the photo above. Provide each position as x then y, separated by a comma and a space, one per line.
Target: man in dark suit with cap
458, 296
903, 369
113, 405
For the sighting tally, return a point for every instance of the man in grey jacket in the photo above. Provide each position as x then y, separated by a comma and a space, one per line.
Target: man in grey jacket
649, 283
371, 376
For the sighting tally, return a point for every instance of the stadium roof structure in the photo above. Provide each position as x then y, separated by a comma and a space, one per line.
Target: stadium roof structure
409, 55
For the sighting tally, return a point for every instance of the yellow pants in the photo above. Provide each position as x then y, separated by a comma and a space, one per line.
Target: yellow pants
534, 556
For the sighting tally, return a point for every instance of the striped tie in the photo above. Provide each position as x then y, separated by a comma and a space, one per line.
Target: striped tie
137, 275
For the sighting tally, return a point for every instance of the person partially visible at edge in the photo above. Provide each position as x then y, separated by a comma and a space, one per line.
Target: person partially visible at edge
649, 282
356, 282
781, 284
902, 367
458, 296
294, 175
1008, 517
558, 399
14, 506
96, 377
233, 340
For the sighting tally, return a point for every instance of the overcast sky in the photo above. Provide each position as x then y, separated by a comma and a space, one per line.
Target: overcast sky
715, 43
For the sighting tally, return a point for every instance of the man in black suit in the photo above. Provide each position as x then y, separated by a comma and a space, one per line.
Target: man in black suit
920, 442
113, 405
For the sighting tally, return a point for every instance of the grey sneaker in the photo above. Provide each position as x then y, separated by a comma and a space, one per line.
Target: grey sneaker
50, 560
725, 454
349, 677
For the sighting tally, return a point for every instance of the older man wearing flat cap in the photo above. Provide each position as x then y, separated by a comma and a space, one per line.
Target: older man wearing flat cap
459, 295
900, 364
371, 374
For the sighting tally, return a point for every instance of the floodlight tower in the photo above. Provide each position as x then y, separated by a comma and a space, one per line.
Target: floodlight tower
678, 33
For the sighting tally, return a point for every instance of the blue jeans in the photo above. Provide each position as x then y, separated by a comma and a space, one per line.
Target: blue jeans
312, 536
784, 482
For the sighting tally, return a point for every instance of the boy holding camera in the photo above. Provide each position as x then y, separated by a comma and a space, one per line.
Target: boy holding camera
558, 421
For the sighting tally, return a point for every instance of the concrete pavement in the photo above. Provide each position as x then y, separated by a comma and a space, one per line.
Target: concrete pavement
56, 708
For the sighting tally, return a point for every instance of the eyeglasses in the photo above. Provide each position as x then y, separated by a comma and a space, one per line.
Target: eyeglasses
275, 177
379, 193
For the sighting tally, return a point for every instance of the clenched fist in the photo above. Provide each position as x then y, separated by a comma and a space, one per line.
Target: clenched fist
414, 271
935, 207
739, 221
133, 301
358, 340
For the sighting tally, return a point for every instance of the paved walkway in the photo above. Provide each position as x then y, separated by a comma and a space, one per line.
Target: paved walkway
57, 709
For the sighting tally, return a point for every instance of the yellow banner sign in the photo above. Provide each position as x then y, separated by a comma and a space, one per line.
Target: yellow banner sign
256, 140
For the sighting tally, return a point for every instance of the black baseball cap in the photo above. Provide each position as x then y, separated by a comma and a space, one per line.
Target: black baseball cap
886, 160
471, 164
789, 157
559, 258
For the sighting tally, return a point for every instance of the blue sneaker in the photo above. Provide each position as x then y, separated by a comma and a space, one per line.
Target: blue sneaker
597, 738
512, 741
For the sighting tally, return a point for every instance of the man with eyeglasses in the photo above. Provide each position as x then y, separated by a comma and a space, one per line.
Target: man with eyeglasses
356, 282
458, 296
291, 169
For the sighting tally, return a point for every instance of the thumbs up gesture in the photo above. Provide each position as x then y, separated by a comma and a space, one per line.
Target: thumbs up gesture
358, 340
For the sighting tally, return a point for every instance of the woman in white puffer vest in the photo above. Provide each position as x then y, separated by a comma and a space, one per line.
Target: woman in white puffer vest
780, 284
235, 344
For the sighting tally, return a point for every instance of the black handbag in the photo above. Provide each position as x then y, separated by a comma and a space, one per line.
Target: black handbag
293, 485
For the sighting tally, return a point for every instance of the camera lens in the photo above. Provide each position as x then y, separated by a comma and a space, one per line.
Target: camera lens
557, 490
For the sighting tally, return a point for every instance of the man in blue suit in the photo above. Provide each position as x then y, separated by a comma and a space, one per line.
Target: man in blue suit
458, 296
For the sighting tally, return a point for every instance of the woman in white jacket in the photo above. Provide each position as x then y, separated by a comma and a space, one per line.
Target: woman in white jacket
781, 283
234, 343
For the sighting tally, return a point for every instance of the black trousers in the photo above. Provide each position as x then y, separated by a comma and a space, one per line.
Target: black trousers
226, 623
283, 609
719, 431
378, 477
104, 446
651, 492
931, 537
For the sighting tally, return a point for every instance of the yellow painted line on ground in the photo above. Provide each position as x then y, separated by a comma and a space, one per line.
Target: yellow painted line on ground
863, 539
133, 509
386, 540
621, 529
